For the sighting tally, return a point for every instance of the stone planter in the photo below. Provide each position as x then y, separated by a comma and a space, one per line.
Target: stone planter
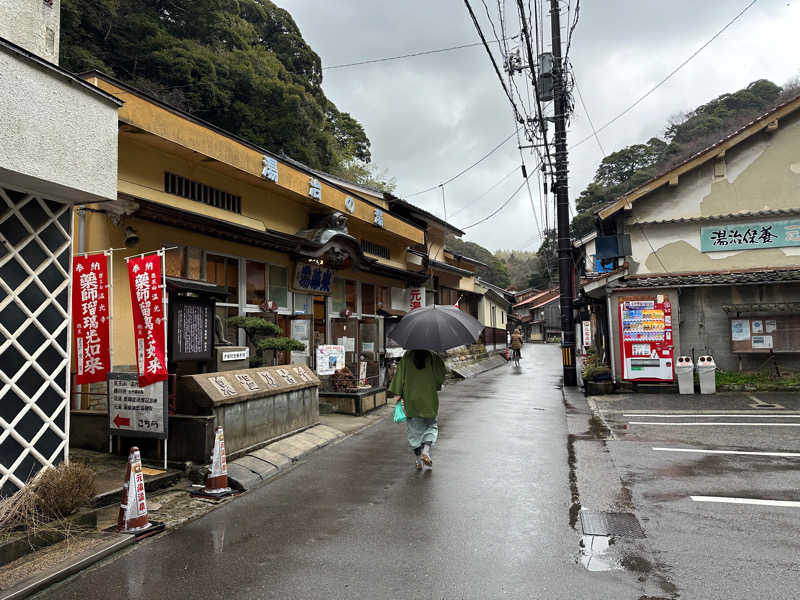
596, 388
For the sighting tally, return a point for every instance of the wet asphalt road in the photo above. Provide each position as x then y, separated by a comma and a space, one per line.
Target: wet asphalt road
357, 521
713, 550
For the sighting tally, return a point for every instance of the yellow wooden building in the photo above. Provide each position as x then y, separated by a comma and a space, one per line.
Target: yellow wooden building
247, 221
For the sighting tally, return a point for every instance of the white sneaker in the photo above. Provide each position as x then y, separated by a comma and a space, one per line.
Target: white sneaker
425, 456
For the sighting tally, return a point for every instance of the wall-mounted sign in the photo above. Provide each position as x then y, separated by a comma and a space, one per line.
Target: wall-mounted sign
191, 331
134, 410
312, 278
587, 333
270, 168
314, 188
750, 236
350, 204
377, 218
235, 355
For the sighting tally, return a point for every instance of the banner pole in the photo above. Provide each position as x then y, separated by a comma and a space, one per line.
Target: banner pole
110, 285
163, 254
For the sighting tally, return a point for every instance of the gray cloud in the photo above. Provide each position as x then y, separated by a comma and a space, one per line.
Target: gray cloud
431, 116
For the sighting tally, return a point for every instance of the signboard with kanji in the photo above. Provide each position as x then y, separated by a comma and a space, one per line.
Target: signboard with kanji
136, 411
750, 236
191, 328
90, 318
416, 298
311, 278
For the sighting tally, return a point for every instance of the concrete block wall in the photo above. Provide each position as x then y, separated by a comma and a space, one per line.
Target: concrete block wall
705, 327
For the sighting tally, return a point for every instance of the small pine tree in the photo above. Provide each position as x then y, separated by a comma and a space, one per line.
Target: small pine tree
265, 335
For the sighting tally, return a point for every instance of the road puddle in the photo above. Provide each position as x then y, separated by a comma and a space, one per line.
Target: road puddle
596, 554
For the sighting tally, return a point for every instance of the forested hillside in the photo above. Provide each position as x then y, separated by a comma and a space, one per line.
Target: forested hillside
684, 135
240, 64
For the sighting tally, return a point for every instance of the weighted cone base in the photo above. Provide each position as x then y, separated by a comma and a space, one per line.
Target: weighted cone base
218, 493
152, 528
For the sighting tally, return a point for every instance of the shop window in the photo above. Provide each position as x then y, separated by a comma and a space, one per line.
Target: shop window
174, 260
382, 297
337, 296
256, 274
279, 286
194, 263
367, 299
350, 293
224, 271
303, 304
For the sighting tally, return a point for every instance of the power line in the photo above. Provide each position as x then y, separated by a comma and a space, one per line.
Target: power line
586, 111
460, 173
499, 208
668, 77
401, 56
484, 194
491, 58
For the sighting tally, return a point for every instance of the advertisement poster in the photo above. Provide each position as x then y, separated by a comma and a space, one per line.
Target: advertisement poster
771, 325
587, 333
330, 357
758, 326
762, 341
90, 318
149, 322
740, 329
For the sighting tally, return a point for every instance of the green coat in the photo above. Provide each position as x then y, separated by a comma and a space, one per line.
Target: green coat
418, 387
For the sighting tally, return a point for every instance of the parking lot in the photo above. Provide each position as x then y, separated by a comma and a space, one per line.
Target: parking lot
714, 479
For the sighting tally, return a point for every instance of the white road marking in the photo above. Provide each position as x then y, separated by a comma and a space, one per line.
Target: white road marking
702, 451
785, 503
762, 403
725, 424
718, 415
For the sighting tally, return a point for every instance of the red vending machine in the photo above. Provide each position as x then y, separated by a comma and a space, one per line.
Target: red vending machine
646, 336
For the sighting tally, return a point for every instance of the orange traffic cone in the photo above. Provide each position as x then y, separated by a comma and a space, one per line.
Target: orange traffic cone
217, 480
133, 508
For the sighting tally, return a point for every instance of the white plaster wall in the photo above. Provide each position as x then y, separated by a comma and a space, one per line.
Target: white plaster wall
676, 202
33, 25
56, 137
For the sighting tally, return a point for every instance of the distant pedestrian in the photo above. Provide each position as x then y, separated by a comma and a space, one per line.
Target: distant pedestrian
420, 375
516, 346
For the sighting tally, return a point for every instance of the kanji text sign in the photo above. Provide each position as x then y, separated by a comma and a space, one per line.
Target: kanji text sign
90, 318
136, 411
312, 278
750, 236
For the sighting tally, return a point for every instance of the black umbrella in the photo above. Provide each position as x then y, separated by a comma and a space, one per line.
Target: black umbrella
436, 328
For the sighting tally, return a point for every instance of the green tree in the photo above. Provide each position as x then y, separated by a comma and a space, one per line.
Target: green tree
240, 64
265, 336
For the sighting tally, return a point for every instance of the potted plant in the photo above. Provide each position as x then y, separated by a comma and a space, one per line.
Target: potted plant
265, 335
596, 374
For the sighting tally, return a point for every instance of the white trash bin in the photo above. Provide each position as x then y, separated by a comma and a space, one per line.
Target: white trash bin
684, 369
706, 369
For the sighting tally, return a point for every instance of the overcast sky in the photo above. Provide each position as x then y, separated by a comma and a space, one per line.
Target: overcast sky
429, 117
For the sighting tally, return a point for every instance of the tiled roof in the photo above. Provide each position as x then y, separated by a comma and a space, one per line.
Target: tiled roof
758, 214
555, 298
748, 277
537, 298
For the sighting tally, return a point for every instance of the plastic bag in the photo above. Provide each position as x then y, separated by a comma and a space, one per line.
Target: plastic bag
399, 413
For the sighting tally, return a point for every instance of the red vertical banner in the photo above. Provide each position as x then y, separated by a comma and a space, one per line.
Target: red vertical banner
90, 318
149, 321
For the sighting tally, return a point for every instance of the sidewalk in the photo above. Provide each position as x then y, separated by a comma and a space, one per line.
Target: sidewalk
168, 499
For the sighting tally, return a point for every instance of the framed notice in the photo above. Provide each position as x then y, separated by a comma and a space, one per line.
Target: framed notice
191, 331
330, 357
779, 334
135, 411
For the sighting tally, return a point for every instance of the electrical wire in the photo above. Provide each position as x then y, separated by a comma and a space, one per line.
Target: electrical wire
498, 209
401, 56
484, 194
460, 173
667, 78
586, 111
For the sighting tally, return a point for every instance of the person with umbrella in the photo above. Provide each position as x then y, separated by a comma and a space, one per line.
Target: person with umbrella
421, 372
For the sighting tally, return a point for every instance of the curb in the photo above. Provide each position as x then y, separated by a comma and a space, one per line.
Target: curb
30, 586
255, 469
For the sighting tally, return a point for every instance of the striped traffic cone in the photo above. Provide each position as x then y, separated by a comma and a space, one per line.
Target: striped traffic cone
133, 508
217, 480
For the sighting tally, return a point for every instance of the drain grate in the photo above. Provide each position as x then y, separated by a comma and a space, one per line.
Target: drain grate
610, 523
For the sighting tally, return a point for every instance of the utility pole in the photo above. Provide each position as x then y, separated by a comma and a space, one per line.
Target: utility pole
565, 273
